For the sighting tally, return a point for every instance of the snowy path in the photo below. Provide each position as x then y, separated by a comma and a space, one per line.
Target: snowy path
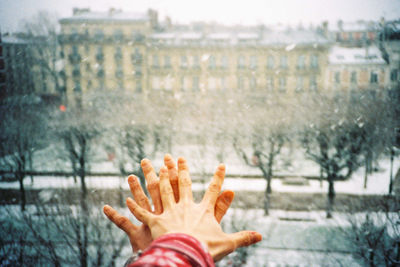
378, 183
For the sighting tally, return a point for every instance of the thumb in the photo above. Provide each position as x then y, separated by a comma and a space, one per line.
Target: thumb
245, 238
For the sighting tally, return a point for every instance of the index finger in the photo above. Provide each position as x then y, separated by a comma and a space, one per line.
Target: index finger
121, 221
152, 185
137, 192
173, 175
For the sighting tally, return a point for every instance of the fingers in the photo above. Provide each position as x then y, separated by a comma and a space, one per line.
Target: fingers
140, 213
245, 238
167, 195
210, 197
222, 204
137, 192
121, 221
173, 175
184, 181
152, 185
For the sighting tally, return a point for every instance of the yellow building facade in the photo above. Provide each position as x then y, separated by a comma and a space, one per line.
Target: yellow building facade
135, 53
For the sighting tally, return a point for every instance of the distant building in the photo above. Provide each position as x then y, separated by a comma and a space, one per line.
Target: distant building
135, 52
358, 33
15, 67
351, 69
2, 70
390, 44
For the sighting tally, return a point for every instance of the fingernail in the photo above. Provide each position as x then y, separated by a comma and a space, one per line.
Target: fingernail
144, 161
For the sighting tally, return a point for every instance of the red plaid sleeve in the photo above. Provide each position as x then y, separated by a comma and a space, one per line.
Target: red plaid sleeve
178, 250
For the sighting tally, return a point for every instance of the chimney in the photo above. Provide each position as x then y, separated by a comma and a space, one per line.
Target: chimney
153, 16
325, 28
168, 23
113, 11
340, 25
79, 11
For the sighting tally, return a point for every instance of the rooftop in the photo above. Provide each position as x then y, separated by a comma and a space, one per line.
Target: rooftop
366, 55
85, 15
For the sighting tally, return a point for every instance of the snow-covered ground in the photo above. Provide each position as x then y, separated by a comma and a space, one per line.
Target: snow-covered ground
287, 241
378, 182
202, 161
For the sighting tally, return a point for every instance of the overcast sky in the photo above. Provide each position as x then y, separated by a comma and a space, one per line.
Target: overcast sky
224, 11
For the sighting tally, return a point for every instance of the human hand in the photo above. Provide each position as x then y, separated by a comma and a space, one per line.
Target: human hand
194, 219
140, 236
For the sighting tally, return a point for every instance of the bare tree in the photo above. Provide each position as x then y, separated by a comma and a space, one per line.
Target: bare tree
374, 236
262, 140
41, 33
23, 131
53, 233
332, 140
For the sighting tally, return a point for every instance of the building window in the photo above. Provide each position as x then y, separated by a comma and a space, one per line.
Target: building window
394, 75
155, 83
118, 54
253, 62
253, 83
313, 83
184, 62
138, 70
155, 61
337, 77
241, 62
282, 84
270, 83
100, 72
224, 62
374, 77
99, 54
118, 35
240, 83
301, 62
284, 62
120, 83
314, 61
98, 35
119, 73
353, 77
76, 71
138, 86
270, 62
168, 83
212, 84
223, 83
300, 84
211, 62
195, 83
184, 83
196, 62
136, 57
77, 86
167, 62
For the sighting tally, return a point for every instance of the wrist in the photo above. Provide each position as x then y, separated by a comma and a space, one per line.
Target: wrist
195, 250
